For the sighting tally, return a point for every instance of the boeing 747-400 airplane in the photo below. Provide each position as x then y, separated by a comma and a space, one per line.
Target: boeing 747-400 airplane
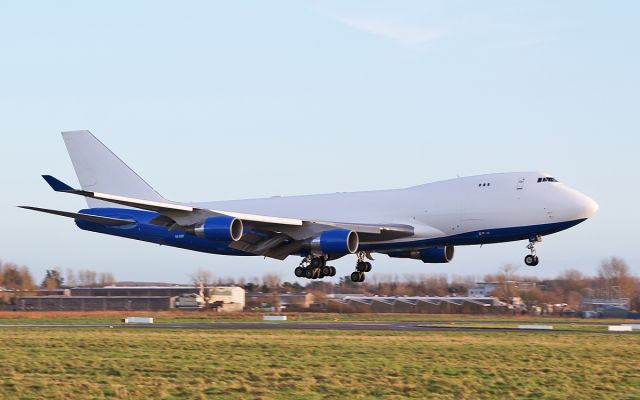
423, 222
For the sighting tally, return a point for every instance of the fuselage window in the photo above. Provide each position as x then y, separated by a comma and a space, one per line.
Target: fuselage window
548, 179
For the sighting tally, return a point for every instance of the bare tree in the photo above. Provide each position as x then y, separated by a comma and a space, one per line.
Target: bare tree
273, 283
14, 277
70, 278
203, 279
615, 275
87, 278
106, 278
531, 296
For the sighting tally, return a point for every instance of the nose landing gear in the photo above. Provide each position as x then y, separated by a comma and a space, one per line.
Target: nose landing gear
532, 259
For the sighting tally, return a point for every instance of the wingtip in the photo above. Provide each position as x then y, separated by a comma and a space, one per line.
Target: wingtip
57, 184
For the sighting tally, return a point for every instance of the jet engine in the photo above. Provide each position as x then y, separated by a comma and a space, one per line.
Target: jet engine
336, 241
222, 228
431, 255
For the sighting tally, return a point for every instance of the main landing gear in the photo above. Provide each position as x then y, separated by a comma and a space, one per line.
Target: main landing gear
314, 268
362, 266
532, 259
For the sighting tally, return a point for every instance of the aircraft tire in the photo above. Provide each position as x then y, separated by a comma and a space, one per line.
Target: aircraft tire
299, 272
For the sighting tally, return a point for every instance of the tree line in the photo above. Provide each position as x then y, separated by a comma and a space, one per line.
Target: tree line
14, 277
613, 280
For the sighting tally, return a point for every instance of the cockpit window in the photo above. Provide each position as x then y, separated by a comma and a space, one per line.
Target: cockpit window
547, 179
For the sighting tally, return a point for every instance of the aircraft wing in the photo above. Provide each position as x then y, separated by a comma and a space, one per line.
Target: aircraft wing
182, 212
85, 217
277, 236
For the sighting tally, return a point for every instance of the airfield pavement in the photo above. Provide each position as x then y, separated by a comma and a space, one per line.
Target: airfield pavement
400, 326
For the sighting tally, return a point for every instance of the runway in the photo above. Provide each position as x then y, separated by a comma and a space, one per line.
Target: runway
422, 326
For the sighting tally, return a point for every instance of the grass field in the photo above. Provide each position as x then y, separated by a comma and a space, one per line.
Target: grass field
294, 364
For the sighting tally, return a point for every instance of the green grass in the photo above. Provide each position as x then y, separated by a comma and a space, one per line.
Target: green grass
293, 364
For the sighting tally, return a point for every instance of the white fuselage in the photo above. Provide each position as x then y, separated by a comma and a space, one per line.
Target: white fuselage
439, 209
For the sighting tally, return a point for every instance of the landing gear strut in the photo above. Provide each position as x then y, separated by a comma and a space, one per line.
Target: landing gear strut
362, 266
314, 268
532, 259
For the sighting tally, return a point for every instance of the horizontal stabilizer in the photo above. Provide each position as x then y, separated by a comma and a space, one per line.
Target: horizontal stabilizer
85, 217
56, 184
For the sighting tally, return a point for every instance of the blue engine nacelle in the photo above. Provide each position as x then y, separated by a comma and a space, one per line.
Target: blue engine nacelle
431, 255
336, 241
222, 228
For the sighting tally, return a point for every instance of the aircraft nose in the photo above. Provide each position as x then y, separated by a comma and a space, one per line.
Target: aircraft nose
585, 206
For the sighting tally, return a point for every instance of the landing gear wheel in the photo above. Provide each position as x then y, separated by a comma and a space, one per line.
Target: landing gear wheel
300, 272
367, 266
532, 259
316, 262
308, 273
357, 276
361, 266
333, 271
326, 270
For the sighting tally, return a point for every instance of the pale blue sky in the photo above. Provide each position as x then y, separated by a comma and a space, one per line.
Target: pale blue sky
247, 99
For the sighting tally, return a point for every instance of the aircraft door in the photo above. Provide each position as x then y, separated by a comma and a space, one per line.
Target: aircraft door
520, 184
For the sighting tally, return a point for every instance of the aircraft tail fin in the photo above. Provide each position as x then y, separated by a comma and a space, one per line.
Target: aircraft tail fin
100, 170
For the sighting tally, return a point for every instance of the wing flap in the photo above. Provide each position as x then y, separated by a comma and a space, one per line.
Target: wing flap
374, 232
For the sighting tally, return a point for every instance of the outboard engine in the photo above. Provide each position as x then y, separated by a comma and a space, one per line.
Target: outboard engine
336, 241
431, 255
222, 228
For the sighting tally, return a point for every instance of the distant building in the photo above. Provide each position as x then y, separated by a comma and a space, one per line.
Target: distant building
604, 304
485, 289
129, 298
288, 302
416, 304
608, 308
